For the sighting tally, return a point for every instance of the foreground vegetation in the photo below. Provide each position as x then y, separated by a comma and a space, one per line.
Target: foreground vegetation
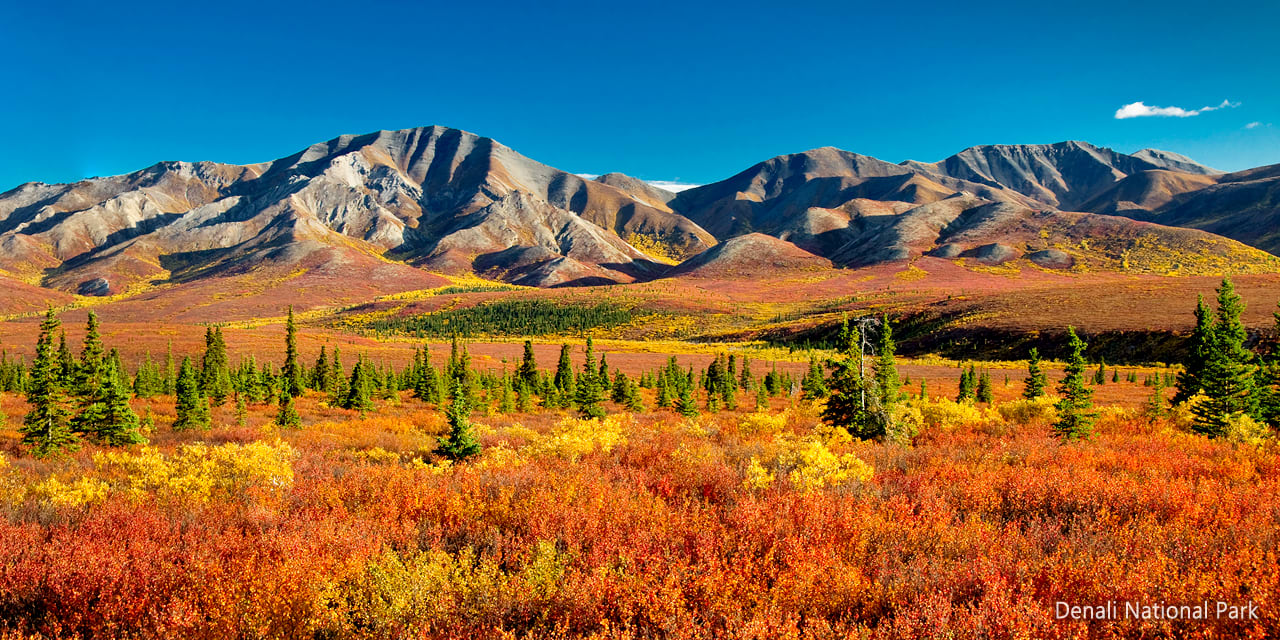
202, 500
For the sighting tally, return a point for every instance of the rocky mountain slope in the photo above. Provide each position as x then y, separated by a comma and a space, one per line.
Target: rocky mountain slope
389, 209
434, 198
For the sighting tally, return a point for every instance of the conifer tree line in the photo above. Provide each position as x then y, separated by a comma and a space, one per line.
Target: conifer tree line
86, 397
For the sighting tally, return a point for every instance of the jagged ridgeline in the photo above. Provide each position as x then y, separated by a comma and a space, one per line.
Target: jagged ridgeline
530, 317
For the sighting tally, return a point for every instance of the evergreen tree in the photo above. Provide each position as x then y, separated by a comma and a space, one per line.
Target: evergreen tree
762, 399
192, 407
88, 374
524, 397
337, 382
215, 378
967, 385
506, 398
850, 406
108, 418
631, 400
287, 414
886, 368
292, 373
1033, 386
814, 382
359, 388
320, 373
528, 369
564, 373
1156, 403
984, 392
461, 443
744, 379
588, 393
1227, 379
924, 389
1075, 420
1100, 376
170, 372
618, 393
1198, 348
66, 363
685, 404
45, 427
664, 391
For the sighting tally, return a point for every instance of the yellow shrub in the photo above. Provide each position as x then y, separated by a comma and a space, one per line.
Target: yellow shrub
393, 594
500, 457
378, 455
763, 422
948, 414
757, 476
80, 492
1245, 430
905, 422
1039, 410
545, 569
201, 471
573, 438
809, 464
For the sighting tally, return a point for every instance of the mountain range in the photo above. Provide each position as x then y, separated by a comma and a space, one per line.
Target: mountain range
392, 209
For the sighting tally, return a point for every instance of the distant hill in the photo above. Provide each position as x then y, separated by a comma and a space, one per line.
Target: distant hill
393, 210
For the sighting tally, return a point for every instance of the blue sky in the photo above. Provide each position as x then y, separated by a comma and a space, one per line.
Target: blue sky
663, 91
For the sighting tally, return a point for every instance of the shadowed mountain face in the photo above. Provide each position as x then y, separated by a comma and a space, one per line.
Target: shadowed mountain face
386, 208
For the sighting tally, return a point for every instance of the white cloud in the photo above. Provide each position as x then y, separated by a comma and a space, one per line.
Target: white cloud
587, 176
674, 187
1140, 110
1253, 125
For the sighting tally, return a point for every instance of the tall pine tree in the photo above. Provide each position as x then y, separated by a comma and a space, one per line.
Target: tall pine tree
1075, 418
192, 407
1033, 386
45, 427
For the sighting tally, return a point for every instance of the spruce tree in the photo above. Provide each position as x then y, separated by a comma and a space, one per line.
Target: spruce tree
215, 378
814, 382
109, 419
885, 368
170, 372
359, 388
45, 427
461, 443
1075, 420
506, 397
632, 400
1100, 376
744, 378
984, 392
1227, 379
287, 414
685, 403
564, 373
850, 406
528, 369
191, 405
1033, 386
1197, 352
292, 373
589, 393
66, 363
967, 385
88, 373
320, 373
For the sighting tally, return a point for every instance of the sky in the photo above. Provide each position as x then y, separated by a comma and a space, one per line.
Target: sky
682, 92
